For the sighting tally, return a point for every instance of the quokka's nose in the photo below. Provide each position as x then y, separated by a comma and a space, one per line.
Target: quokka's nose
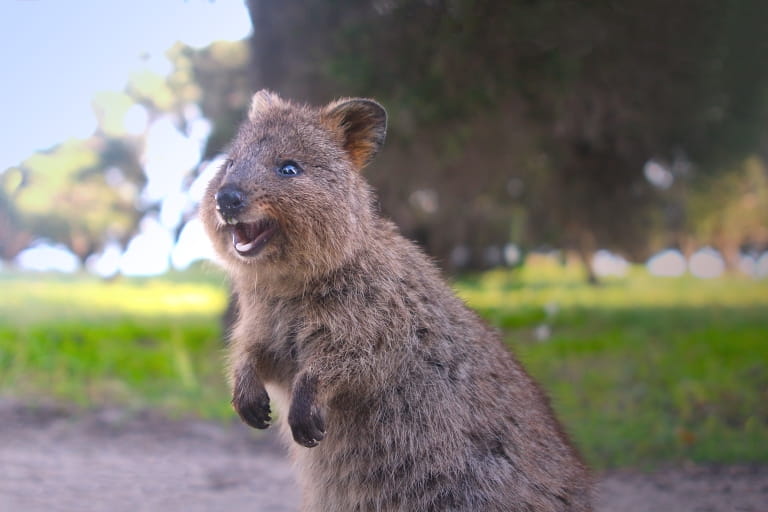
230, 201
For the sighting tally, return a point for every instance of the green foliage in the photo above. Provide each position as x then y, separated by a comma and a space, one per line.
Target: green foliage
642, 370
221, 73
111, 108
66, 198
732, 208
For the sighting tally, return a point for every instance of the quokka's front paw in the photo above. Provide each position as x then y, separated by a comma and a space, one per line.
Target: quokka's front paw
304, 417
252, 406
307, 426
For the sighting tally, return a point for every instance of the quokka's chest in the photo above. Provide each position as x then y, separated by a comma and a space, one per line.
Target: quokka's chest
279, 352
287, 333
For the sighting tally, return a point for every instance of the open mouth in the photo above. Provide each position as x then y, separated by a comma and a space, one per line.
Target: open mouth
250, 238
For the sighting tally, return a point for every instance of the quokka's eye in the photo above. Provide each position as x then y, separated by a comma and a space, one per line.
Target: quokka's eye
289, 169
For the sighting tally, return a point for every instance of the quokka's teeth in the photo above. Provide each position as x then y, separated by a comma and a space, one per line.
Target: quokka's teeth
245, 247
231, 221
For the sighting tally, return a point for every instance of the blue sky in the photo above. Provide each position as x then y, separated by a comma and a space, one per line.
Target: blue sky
56, 54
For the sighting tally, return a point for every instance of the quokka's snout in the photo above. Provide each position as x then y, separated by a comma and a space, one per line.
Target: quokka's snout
244, 220
230, 201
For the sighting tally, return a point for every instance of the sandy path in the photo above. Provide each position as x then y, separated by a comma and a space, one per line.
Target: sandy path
113, 461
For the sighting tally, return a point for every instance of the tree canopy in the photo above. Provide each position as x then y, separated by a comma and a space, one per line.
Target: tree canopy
576, 97
526, 122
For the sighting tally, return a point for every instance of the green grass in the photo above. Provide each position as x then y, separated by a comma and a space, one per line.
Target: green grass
133, 343
641, 370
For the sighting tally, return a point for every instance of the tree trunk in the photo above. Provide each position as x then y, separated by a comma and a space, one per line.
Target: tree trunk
585, 248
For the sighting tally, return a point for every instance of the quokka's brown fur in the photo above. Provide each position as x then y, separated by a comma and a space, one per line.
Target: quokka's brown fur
397, 397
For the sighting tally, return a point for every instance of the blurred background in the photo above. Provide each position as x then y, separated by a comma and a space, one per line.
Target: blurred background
592, 176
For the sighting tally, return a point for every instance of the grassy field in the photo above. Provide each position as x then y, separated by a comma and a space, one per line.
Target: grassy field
133, 343
641, 370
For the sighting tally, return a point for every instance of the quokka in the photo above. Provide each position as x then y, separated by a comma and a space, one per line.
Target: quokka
393, 395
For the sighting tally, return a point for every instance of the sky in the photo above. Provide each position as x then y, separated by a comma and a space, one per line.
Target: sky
56, 54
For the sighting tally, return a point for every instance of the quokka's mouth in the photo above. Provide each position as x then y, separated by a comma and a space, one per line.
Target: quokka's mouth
250, 238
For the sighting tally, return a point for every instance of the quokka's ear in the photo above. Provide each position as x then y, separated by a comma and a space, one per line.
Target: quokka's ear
362, 125
261, 101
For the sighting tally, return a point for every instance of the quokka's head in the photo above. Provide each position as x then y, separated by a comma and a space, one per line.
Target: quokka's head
290, 192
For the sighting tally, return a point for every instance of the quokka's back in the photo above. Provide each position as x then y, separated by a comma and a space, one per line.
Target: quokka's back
393, 395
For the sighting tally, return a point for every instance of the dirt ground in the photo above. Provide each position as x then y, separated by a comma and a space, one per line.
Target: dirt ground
52, 459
